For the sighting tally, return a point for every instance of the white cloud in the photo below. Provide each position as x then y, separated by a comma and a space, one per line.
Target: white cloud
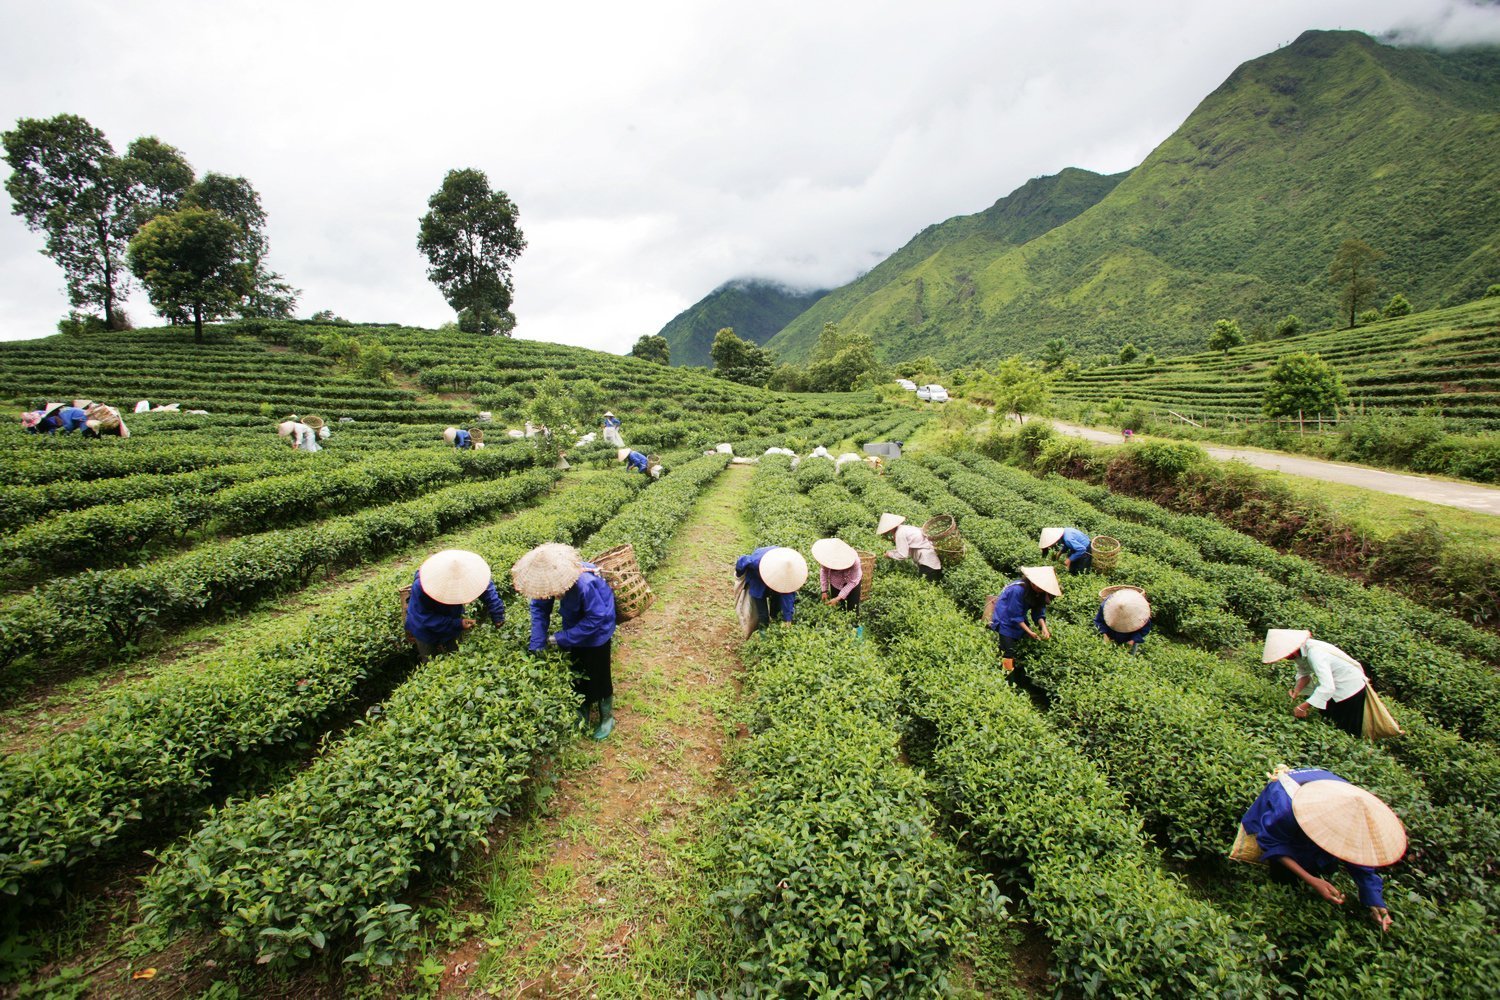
655, 149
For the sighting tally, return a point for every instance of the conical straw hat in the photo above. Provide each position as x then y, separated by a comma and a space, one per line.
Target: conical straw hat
783, 570
547, 571
622, 454
1283, 642
1349, 823
608, 414
889, 522
834, 553
83, 404
51, 408
1126, 609
450, 434
454, 576
1044, 578
1050, 536
284, 429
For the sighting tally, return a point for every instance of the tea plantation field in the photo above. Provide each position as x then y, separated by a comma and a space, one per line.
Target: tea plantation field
1442, 359
224, 774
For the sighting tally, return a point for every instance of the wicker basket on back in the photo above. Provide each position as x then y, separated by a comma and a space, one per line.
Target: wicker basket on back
619, 568
476, 435
316, 423
942, 531
1106, 552
405, 593
867, 573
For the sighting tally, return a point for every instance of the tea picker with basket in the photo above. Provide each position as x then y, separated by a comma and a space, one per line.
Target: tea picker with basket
611, 430
840, 574
771, 577
1007, 613
1342, 692
1072, 543
1124, 616
1307, 822
442, 588
910, 542
303, 431
556, 575
462, 439
632, 459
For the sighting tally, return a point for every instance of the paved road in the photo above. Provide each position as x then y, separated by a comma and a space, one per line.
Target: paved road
1469, 496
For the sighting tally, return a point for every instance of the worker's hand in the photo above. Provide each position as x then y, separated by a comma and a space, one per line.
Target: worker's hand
1381, 916
552, 641
784, 623
1046, 632
495, 623
892, 554
1300, 711
1328, 891
467, 623
1291, 692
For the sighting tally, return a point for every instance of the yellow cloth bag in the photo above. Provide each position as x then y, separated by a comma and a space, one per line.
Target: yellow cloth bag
1379, 723
1246, 848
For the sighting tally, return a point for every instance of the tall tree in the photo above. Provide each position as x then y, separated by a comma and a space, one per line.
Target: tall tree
470, 235
162, 175
1302, 383
67, 182
653, 347
740, 360
1226, 336
1353, 271
1014, 387
236, 199
1054, 354
192, 261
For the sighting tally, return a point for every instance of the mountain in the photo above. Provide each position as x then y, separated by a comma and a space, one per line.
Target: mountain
756, 309
1237, 214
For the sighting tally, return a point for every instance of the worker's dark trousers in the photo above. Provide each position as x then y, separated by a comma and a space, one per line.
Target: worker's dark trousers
1082, 564
932, 574
427, 650
1349, 714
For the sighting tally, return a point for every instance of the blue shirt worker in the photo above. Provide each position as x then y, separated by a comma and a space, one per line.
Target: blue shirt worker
1028, 596
633, 459
773, 574
1072, 543
555, 575
458, 437
57, 417
1305, 823
442, 588
610, 420
1124, 616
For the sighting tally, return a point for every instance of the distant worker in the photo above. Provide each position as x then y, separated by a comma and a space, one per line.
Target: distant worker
612, 430
303, 437
633, 459
104, 421
55, 417
773, 574
458, 438
441, 589
839, 574
1306, 822
1124, 616
1342, 684
1073, 544
586, 604
1023, 598
910, 542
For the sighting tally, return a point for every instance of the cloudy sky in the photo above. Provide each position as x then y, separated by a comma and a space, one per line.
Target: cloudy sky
655, 149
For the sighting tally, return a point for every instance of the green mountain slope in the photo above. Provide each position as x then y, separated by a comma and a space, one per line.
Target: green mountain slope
1236, 214
755, 309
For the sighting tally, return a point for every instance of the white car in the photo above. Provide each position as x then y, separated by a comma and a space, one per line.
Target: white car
907, 384
933, 393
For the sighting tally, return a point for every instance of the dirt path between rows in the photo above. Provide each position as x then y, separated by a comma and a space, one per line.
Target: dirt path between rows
591, 900
1468, 496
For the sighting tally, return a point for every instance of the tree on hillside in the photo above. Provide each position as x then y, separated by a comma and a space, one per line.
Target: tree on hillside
470, 235
1013, 387
162, 176
1226, 336
1128, 353
853, 361
1054, 354
921, 369
1303, 383
1290, 326
653, 347
1352, 270
1397, 307
68, 183
739, 360
192, 262
236, 199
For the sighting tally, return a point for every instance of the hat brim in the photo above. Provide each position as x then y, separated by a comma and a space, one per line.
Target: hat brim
834, 553
1126, 610
547, 571
454, 576
1283, 642
1349, 823
783, 570
1044, 578
889, 523
1050, 537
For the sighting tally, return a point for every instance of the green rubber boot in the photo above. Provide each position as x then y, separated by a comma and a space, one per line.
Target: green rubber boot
583, 716
606, 719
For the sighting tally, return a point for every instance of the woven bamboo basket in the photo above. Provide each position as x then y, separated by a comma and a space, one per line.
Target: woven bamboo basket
942, 531
476, 435
316, 423
405, 593
652, 460
633, 594
1106, 552
989, 608
867, 573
